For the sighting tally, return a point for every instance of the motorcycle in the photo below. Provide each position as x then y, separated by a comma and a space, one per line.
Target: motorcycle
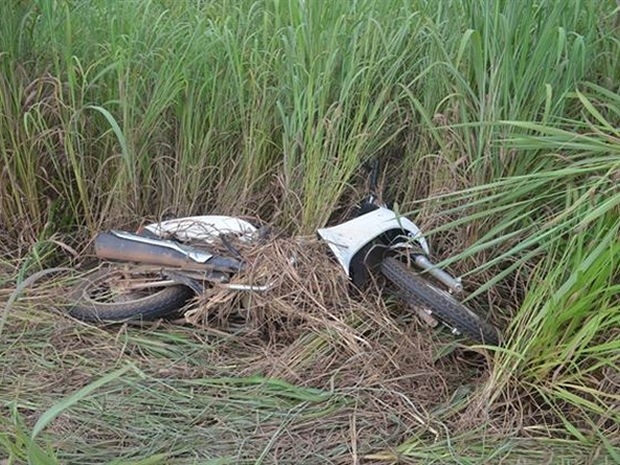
168, 262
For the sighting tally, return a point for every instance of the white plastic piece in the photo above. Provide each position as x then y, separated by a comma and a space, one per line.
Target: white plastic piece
205, 228
348, 238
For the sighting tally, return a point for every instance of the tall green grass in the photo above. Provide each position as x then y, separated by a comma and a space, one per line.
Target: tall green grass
498, 122
125, 108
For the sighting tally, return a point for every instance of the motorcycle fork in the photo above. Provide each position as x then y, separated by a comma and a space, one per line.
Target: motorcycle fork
452, 283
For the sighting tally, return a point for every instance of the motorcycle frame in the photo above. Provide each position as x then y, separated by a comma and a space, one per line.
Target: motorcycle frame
348, 241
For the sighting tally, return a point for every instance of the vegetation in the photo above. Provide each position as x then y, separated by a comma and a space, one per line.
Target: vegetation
498, 122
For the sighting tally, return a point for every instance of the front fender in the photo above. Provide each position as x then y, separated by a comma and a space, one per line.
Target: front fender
347, 239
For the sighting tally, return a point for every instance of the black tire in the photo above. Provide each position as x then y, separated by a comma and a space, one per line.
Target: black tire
87, 303
442, 305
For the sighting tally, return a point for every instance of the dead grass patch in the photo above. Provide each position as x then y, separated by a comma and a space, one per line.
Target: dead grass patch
373, 376
311, 330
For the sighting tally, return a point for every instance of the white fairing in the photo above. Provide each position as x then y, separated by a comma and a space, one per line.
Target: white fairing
346, 239
202, 228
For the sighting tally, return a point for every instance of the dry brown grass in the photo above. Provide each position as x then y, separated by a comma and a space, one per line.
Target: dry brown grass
388, 377
311, 330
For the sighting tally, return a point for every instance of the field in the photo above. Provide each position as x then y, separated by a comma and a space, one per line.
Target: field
497, 123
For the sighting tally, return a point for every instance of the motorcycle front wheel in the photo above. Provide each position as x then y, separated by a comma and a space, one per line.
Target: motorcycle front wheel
115, 294
442, 305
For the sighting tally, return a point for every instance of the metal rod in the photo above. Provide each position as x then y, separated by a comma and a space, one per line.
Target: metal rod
441, 275
248, 287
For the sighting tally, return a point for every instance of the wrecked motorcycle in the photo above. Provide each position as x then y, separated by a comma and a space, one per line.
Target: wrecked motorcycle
163, 267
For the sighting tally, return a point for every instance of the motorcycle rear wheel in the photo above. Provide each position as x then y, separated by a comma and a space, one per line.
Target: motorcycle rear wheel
105, 295
442, 305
